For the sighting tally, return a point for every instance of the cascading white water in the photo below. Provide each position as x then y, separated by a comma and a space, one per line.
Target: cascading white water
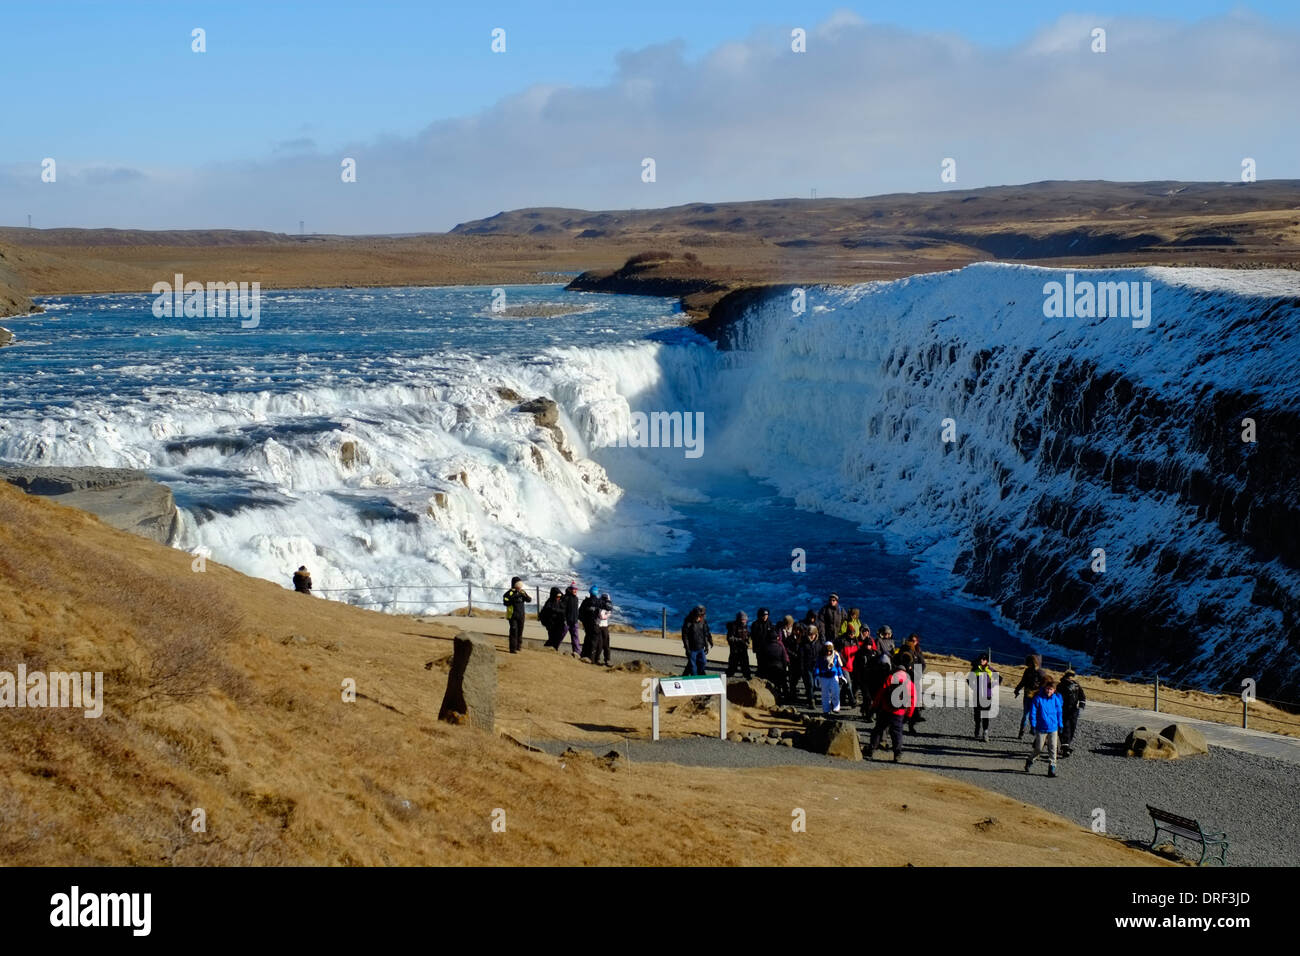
1056, 421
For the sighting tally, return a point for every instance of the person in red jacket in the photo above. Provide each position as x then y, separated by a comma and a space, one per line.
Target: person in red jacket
895, 702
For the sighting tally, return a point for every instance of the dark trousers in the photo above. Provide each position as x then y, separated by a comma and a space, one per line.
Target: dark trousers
777, 675
891, 722
1069, 724
981, 721
1024, 714
516, 632
588, 641
738, 659
600, 644
554, 635
804, 674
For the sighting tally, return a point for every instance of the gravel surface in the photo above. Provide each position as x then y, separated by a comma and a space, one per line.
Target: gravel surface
1251, 798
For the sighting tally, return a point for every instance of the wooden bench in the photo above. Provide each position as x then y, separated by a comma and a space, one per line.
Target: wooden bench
1188, 829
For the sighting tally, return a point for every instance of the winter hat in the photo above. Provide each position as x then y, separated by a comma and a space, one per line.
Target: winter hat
595, 592
514, 581
573, 586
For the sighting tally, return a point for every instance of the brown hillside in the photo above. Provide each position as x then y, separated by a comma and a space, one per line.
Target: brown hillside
223, 693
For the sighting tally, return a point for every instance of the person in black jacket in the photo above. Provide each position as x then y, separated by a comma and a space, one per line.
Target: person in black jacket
515, 601
1073, 700
809, 648
912, 648
696, 641
875, 670
760, 636
571, 604
789, 637
1029, 683
302, 580
830, 619
738, 645
594, 612
551, 617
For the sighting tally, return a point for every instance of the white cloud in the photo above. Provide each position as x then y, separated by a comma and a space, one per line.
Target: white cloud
868, 109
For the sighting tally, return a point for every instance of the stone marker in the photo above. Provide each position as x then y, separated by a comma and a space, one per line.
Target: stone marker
472, 684
1186, 739
750, 693
1146, 743
834, 738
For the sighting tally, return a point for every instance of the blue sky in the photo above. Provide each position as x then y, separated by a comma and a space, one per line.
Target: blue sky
114, 93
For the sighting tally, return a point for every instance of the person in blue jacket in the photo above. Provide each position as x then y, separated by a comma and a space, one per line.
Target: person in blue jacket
829, 671
1046, 718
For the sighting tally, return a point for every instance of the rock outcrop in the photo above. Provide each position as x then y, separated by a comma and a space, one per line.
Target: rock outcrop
750, 693
1186, 739
126, 499
471, 693
834, 738
1145, 743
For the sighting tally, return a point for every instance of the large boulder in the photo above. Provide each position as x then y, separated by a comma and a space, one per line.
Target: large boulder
1186, 739
1146, 743
750, 693
544, 411
834, 738
121, 497
5, 336
471, 695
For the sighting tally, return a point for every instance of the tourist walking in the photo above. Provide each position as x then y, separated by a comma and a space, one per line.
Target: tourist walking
1029, 681
984, 682
738, 645
894, 703
830, 670
808, 647
551, 617
760, 636
831, 618
790, 640
912, 648
886, 640
1045, 716
571, 606
594, 612
1073, 700
696, 640
516, 600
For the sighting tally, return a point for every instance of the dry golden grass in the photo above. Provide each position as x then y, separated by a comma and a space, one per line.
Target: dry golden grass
224, 693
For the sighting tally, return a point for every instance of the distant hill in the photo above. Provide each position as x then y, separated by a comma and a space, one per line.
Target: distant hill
12, 299
734, 245
1037, 220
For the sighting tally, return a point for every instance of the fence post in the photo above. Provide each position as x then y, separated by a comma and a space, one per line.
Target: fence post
663, 623
470, 599
537, 593
1157, 691
1244, 704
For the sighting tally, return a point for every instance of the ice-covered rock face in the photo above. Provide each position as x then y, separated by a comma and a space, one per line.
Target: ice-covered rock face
1013, 447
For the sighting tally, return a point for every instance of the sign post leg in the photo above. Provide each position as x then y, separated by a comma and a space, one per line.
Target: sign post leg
722, 715
654, 715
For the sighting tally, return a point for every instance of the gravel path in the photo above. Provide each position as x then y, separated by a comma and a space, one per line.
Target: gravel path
1250, 797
